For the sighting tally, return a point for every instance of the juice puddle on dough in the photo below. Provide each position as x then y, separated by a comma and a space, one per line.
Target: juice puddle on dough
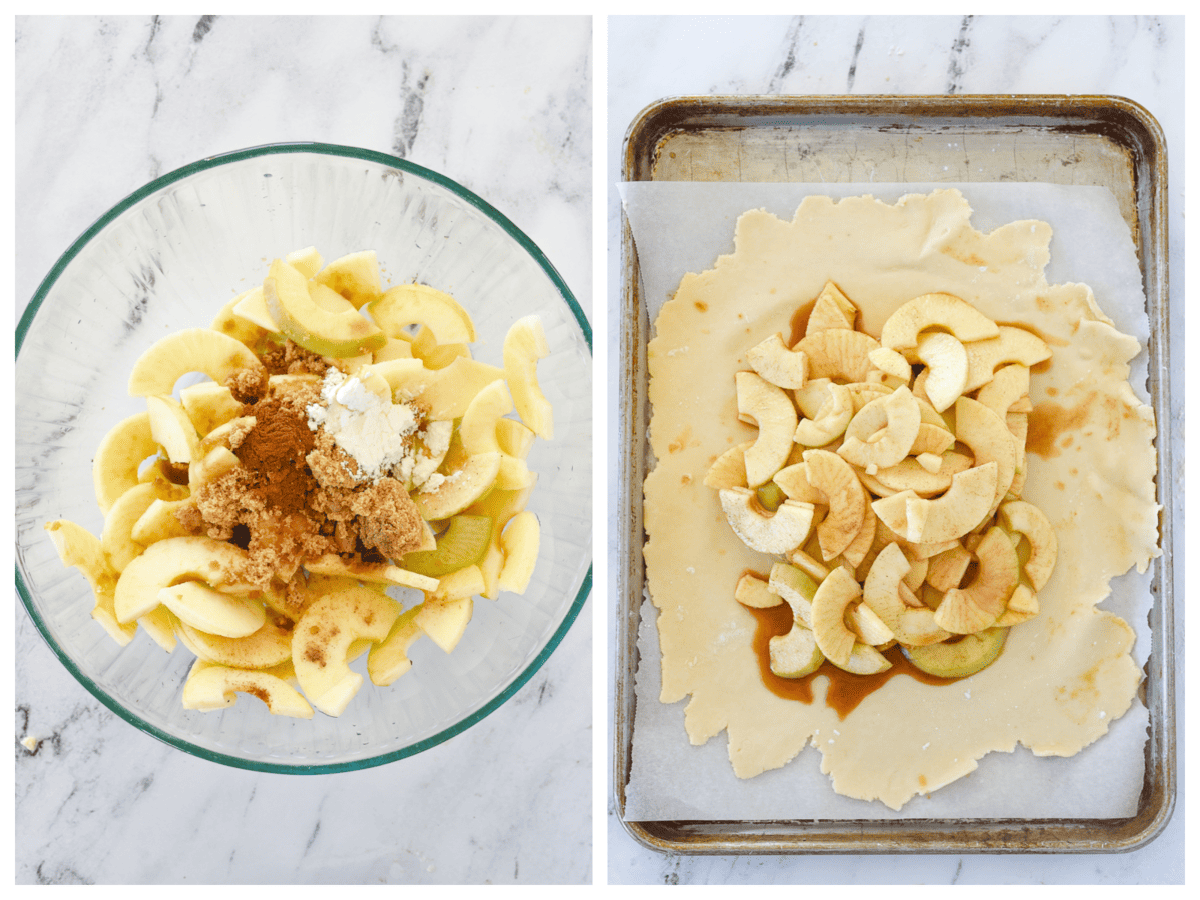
846, 691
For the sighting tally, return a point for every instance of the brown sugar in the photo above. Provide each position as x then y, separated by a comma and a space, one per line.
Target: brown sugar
296, 495
292, 359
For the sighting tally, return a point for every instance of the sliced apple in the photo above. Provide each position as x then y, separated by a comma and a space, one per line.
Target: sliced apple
1028, 520
121, 452
946, 518
445, 619
893, 362
355, 276
462, 544
172, 429
215, 354
779, 532
972, 608
945, 375
943, 312
1022, 606
960, 658
307, 261
524, 344
988, 438
227, 321
117, 540
1008, 387
838, 353
752, 591
252, 306
796, 588
795, 654
389, 658
774, 362
461, 488
912, 625
339, 335
270, 646
843, 494
322, 639
170, 562
829, 604
79, 548
210, 686
1011, 345
831, 309
830, 419
209, 405
376, 573
212, 611
768, 407
519, 540
883, 432
419, 304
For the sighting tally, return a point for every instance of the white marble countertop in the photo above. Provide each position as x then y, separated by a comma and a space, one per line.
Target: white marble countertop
104, 105
655, 57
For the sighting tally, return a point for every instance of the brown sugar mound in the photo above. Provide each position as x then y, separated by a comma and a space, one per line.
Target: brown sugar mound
296, 494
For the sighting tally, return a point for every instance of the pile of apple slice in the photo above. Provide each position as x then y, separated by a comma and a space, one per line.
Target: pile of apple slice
412, 345
886, 481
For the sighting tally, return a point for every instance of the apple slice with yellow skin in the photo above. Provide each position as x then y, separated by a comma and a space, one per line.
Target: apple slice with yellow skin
355, 276
121, 452
445, 619
380, 573
227, 321
116, 540
389, 658
958, 659
478, 432
211, 686
524, 344
339, 335
462, 544
307, 261
829, 604
215, 354
270, 646
212, 611
172, 429
81, 549
752, 591
519, 540
209, 405
322, 639
769, 408
419, 304
252, 306
169, 562
979, 604
461, 488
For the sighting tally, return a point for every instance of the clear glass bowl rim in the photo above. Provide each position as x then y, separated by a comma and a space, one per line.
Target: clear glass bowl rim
326, 150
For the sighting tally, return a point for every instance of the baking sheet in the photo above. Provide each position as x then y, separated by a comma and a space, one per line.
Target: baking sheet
680, 227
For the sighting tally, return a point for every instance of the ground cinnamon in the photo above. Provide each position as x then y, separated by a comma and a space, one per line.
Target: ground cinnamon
275, 451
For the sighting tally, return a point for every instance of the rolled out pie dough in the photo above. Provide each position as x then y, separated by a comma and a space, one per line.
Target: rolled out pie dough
1064, 676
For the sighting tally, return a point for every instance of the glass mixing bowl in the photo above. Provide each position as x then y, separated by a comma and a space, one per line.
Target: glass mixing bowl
168, 257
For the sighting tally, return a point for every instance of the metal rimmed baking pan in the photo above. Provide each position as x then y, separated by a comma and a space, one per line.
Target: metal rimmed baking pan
1094, 140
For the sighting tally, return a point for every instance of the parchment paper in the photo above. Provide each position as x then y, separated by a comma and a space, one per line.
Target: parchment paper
681, 227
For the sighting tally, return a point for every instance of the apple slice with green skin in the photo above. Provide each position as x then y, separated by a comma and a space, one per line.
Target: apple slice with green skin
322, 639
958, 659
355, 276
524, 345
462, 544
215, 354
303, 320
445, 619
212, 611
121, 452
519, 540
419, 304
389, 658
211, 686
